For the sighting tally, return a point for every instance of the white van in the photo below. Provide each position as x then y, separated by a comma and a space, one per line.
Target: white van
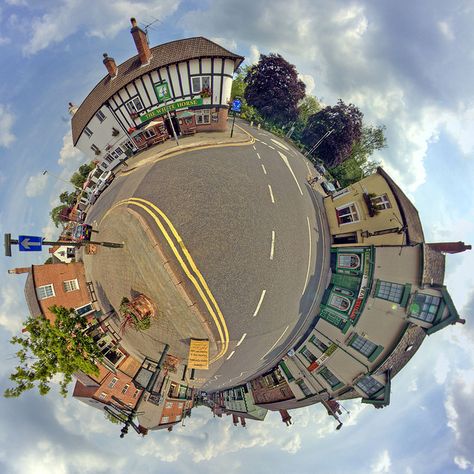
104, 180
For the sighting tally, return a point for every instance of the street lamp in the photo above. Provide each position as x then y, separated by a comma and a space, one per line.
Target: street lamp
45, 172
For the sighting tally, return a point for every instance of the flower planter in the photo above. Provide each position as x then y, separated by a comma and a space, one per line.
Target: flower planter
137, 313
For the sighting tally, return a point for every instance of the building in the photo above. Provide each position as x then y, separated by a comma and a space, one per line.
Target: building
63, 253
128, 109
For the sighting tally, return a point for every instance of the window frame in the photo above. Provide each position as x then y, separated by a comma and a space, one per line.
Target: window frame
419, 317
384, 202
353, 213
88, 132
193, 90
100, 116
201, 114
351, 256
84, 306
390, 291
113, 382
307, 354
131, 105
371, 388
49, 286
362, 345
329, 376
74, 285
303, 387
125, 388
319, 345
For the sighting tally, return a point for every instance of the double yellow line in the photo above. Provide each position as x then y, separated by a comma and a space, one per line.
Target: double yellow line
189, 267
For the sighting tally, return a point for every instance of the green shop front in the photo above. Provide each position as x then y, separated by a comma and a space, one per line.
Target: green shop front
351, 280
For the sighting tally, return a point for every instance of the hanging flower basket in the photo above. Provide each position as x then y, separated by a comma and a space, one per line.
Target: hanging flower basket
136, 313
206, 92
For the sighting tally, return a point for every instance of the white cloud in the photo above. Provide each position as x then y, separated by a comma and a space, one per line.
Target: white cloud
226, 43
17, 2
36, 184
446, 30
441, 370
4, 40
254, 54
382, 463
308, 79
100, 19
69, 156
6, 123
11, 310
463, 463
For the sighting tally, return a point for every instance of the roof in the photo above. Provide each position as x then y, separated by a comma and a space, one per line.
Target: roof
434, 264
410, 216
162, 55
30, 296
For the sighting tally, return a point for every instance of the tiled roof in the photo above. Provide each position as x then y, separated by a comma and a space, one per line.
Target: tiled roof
433, 266
163, 54
409, 212
30, 296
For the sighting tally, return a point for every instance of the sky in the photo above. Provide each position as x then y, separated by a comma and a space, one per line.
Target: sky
407, 65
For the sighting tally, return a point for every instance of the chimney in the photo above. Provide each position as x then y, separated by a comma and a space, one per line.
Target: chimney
235, 420
450, 247
285, 417
72, 109
141, 42
17, 271
110, 65
242, 421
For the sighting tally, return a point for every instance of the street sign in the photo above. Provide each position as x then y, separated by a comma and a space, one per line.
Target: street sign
236, 105
162, 91
29, 243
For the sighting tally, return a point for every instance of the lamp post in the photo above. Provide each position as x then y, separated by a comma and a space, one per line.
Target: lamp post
45, 172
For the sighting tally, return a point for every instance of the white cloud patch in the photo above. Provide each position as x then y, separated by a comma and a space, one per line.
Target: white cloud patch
446, 30
308, 79
226, 43
4, 40
70, 157
100, 19
254, 54
6, 124
382, 463
11, 309
36, 184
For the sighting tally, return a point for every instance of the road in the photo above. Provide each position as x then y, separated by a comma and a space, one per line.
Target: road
257, 233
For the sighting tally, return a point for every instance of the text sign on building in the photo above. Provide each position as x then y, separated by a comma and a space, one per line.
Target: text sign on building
180, 104
29, 243
324, 357
162, 91
198, 354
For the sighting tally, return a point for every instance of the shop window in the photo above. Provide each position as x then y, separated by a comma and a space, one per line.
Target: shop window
200, 82
304, 388
369, 385
308, 354
70, 285
88, 132
319, 344
329, 377
389, 291
150, 133
116, 153
347, 214
134, 105
100, 116
381, 202
127, 145
363, 345
203, 116
83, 310
113, 382
45, 291
339, 302
424, 307
348, 260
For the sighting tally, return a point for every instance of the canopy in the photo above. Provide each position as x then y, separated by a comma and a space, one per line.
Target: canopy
153, 123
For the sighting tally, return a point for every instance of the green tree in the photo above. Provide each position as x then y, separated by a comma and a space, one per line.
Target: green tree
48, 261
56, 214
49, 349
116, 421
274, 89
79, 177
307, 107
68, 198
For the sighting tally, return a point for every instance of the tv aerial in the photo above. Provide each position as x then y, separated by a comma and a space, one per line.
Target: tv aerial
149, 26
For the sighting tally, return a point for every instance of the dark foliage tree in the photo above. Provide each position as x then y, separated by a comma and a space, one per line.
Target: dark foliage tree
345, 121
57, 213
274, 89
48, 349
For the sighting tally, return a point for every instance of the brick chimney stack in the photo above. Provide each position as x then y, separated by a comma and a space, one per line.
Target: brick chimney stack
450, 247
141, 42
72, 109
235, 420
17, 271
110, 65
285, 417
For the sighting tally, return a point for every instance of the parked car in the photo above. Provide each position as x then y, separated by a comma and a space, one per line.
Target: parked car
321, 169
104, 180
328, 187
82, 232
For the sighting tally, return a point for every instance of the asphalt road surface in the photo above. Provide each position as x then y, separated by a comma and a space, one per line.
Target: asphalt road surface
256, 231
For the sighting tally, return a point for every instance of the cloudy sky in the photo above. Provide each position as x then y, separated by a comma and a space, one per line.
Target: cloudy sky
408, 65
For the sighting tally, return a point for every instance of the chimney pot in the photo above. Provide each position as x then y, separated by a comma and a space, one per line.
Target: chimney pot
141, 42
17, 271
133, 21
110, 65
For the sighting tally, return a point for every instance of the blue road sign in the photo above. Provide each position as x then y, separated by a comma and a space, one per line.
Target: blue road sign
29, 243
236, 105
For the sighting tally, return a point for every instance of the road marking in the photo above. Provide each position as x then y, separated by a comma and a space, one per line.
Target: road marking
264, 142
264, 170
277, 341
273, 245
309, 257
230, 355
254, 147
307, 166
260, 302
258, 154
272, 147
271, 194
280, 144
285, 159
241, 339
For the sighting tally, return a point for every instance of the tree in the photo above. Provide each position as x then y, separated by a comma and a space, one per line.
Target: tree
48, 261
68, 198
274, 89
57, 213
345, 121
80, 176
307, 107
49, 349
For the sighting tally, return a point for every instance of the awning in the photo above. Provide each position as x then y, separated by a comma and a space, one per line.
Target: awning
153, 123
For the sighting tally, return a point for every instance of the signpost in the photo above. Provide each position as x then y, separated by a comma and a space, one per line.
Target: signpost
163, 94
29, 243
235, 107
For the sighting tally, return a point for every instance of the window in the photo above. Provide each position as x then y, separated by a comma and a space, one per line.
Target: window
125, 389
45, 291
347, 214
424, 307
340, 193
363, 345
319, 344
113, 382
286, 371
340, 302
169, 405
389, 291
149, 133
95, 149
165, 419
82, 310
330, 378
348, 260
100, 116
70, 285
135, 394
203, 116
109, 158
381, 202
200, 82
127, 145
88, 132
102, 396
135, 105
304, 388
116, 153
308, 354
369, 385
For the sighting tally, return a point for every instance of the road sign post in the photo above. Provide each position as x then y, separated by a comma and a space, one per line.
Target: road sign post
29, 243
235, 107
163, 94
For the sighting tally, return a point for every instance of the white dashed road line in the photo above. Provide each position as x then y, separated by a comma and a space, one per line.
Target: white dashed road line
264, 170
271, 194
230, 355
276, 342
259, 303
280, 144
254, 147
272, 250
258, 154
309, 256
285, 159
241, 339
272, 147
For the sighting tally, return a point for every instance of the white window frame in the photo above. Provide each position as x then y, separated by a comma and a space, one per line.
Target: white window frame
49, 288
150, 133
381, 202
201, 114
200, 78
133, 103
125, 388
341, 192
353, 213
109, 158
351, 255
70, 285
332, 303
113, 382
102, 396
100, 116
116, 153
88, 132
83, 306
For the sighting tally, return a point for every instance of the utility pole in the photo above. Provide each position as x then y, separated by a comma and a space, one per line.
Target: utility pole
315, 146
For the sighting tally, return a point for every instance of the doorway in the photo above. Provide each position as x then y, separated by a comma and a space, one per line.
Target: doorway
175, 125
